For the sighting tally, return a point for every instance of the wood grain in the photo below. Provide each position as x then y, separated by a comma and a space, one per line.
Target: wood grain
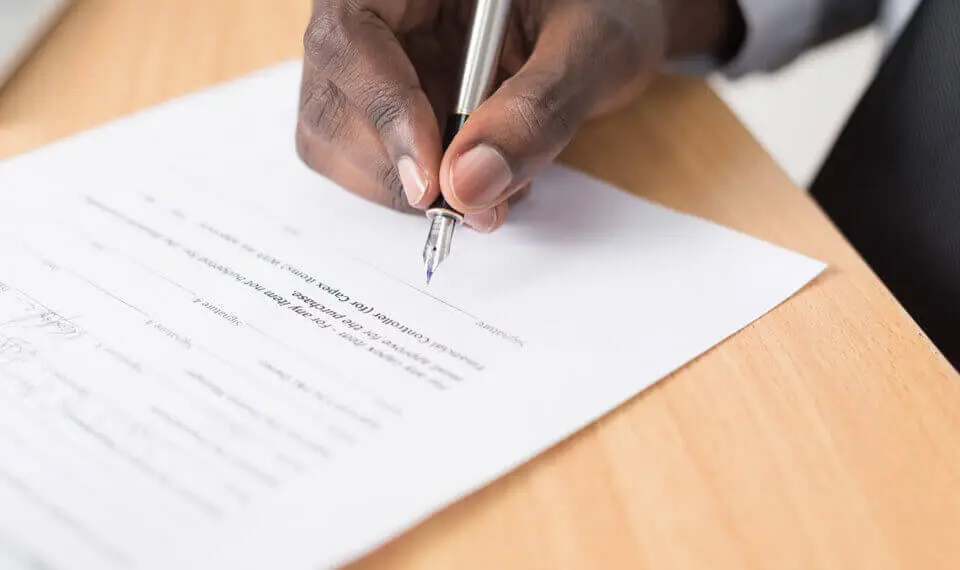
826, 435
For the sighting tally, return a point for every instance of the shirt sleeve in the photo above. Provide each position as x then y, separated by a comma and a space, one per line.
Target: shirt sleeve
777, 31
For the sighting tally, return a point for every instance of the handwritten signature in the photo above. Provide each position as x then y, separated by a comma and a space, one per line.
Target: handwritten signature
27, 313
14, 349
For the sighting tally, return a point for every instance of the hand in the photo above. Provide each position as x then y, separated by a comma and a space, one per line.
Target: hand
381, 75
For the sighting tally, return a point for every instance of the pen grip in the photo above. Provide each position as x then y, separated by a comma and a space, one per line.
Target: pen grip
455, 122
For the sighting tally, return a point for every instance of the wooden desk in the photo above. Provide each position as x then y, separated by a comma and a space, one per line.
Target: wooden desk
827, 435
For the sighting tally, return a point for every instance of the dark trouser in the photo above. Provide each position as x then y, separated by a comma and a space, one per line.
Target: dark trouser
892, 183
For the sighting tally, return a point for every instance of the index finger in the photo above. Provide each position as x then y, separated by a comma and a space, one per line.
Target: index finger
354, 45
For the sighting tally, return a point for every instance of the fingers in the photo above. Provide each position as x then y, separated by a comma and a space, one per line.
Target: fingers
334, 139
585, 58
487, 221
363, 102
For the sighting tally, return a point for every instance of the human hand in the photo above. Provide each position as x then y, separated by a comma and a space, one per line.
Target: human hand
380, 76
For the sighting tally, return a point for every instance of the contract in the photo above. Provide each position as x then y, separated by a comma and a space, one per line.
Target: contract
211, 357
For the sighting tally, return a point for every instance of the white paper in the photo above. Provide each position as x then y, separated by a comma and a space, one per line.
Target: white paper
211, 357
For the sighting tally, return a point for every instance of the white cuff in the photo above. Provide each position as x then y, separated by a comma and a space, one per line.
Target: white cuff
777, 32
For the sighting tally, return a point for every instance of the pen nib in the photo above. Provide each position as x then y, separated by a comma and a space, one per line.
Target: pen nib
437, 247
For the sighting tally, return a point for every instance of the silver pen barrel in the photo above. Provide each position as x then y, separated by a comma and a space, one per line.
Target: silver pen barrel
481, 60
482, 57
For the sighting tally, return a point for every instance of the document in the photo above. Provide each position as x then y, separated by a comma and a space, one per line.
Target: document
212, 357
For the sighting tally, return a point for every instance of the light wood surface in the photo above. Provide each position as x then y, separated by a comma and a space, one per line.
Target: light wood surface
827, 435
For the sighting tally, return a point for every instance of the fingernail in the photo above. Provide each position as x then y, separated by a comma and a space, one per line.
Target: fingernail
414, 180
484, 222
480, 176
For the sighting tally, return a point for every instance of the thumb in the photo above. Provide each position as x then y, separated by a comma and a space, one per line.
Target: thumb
582, 61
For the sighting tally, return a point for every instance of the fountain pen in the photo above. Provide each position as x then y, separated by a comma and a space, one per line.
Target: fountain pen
487, 31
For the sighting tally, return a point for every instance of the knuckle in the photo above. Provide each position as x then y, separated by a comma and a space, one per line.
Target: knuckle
544, 109
324, 110
318, 30
325, 41
385, 113
387, 106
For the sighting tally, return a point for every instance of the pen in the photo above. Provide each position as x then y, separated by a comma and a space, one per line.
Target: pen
482, 58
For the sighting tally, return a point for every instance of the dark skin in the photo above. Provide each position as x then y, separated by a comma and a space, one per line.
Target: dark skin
381, 75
